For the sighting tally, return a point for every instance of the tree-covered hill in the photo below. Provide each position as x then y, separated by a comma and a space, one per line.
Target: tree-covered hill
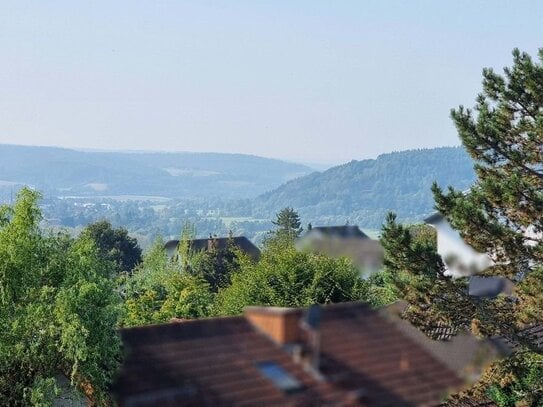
364, 191
217, 191
59, 171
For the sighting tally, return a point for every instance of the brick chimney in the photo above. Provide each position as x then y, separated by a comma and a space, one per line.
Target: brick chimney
280, 324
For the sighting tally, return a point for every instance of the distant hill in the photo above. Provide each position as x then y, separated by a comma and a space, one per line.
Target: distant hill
200, 184
364, 191
64, 172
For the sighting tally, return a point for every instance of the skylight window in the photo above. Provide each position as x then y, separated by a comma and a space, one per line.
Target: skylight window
282, 379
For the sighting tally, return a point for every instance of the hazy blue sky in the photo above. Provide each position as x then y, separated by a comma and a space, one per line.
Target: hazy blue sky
301, 80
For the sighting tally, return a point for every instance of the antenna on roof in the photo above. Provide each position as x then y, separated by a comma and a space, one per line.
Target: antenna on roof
311, 323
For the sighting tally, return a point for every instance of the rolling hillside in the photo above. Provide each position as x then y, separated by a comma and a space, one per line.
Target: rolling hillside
364, 191
64, 172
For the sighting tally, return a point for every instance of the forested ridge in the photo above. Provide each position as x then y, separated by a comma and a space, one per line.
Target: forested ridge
66, 172
358, 192
364, 191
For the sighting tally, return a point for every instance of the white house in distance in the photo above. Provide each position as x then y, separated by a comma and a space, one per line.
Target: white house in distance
462, 260
459, 257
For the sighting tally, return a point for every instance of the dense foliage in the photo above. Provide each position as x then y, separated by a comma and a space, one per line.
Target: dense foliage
114, 245
364, 191
216, 266
158, 290
223, 282
286, 277
499, 215
58, 310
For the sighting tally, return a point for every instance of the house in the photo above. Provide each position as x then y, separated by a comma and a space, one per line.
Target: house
462, 260
340, 355
459, 257
341, 232
344, 241
216, 243
489, 287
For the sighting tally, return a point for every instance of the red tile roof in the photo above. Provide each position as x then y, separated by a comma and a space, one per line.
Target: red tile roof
365, 360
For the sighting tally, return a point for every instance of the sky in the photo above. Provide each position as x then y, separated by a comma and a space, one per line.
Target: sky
308, 81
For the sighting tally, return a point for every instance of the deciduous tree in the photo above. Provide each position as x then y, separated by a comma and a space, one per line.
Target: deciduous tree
160, 289
58, 310
114, 244
286, 277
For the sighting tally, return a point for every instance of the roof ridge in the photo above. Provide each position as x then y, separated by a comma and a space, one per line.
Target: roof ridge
192, 321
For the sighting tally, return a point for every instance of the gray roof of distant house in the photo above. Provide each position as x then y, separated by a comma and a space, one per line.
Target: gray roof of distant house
433, 217
339, 231
487, 287
241, 242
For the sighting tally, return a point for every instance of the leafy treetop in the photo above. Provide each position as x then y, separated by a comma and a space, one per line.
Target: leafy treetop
58, 310
114, 244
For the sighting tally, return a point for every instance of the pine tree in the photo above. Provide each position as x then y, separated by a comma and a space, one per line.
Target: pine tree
500, 215
288, 223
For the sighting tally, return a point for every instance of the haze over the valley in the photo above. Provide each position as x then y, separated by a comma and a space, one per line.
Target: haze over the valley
308, 81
